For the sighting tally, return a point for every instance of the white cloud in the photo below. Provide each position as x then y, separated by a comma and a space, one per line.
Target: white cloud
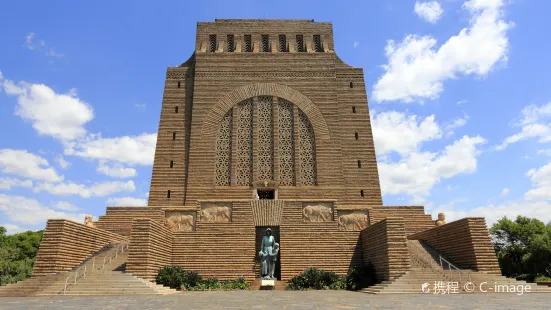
140, 105
115, 170
29, 40
402, 133
541, 182
52, 53
505, 192
534, 124
460, 102
30, 212
416, 173
9, 183
100, 189
544, 152
62, 162
429, 11
28, 165
127, 202
417, 68
356, 44
456, 123
67, 206
61, 116
12, 229
130, 150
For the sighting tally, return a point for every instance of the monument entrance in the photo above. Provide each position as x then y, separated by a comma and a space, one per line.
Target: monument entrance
260, 234
266, 194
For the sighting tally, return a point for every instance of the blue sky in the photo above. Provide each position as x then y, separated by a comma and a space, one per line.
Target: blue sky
459, 92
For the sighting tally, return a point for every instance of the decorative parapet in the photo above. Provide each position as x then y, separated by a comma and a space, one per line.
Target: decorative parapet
385, 246
465, 242
66, 244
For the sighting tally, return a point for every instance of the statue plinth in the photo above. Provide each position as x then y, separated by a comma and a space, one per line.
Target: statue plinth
267, 282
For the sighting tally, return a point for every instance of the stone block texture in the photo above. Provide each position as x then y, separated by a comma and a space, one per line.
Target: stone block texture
66, 244
385, 246
465, 242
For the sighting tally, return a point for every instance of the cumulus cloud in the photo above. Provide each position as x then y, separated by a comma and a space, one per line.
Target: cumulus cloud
127, 202
541, 182
12, 229
429, 11
24, 164
455, 124
29, 40
99, 189
61, 116
138, 150
29, 211
417, 67
505, 192
534, 124
115, 170
67, 206
9, 183
62, 162
401, 132
416, 173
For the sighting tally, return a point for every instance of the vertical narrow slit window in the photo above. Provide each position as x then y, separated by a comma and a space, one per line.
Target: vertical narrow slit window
266, 43
353, 109
356, 135
231, 46
282, 43
359, 163
174, 136
212, 43
178, 84
362, 193
168, 194
248, 43
175, 109
300, 43
171, 164
351, 85
317, 43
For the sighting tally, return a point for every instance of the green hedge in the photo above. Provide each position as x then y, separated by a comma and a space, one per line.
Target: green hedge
178, 278
319, 279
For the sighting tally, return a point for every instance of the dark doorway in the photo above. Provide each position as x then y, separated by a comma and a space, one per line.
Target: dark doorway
260, 232
266, 194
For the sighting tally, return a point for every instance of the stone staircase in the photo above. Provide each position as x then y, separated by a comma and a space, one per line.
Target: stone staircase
109, 280
426, 268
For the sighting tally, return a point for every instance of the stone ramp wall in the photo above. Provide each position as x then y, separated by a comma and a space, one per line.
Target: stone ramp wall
66, 244
385, 246
414, 216
119, 219
465, 242
319, 244
150, 248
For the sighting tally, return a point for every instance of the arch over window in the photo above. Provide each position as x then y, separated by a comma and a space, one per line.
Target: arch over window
289, 160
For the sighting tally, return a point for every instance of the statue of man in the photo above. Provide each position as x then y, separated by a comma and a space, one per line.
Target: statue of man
88, 221
268, 255
441, 219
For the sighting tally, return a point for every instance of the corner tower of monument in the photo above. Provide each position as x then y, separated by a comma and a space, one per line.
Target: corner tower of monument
264, 107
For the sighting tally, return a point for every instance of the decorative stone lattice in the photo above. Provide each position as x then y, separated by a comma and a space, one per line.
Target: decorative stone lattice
248, 43
223, 151
286, 145
282, 43
265, 163
230, 45
265, 43
244, 142
307, 151
300, 43
317, 43
212, 43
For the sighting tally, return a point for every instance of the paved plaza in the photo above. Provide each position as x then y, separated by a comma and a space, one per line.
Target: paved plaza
283, 300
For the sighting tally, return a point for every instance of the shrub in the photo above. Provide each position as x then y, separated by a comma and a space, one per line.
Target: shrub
171, 276
318, 279
542, 278
238, 284
360, 277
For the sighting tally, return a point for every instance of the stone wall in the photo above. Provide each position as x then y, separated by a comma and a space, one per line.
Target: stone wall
119, 219
66, 244
415, 217
385, 246
150, 248
315, 244
465, 242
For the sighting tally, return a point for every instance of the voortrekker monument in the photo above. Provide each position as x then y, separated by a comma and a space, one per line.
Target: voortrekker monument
265, 166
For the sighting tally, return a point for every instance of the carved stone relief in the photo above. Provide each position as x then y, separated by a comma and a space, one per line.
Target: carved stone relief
180, 220
353, 219
317, 211
215, 212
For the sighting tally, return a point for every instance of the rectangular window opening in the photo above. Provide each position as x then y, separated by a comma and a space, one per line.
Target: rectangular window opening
174, 136
353, 109
175, 109
356, 135
212, 43
168, 194
248, 43
171, 164
282, 43
300, 43
359, 163
265, 43
231, 46
362, 193
318, 47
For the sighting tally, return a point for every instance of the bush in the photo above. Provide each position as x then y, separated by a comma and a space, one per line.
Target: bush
238, 284
17, 255
318, 279
171, 276
542, 278
360, 277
